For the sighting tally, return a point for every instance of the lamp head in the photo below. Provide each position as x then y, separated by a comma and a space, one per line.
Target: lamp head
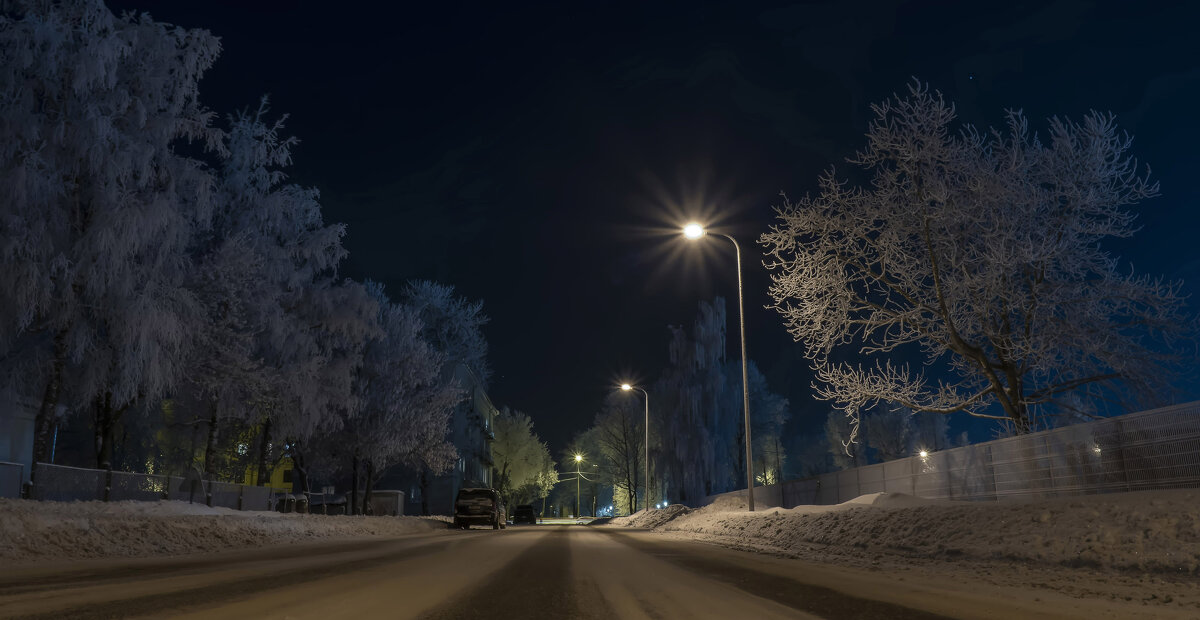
626, 387
693, 231
578, 458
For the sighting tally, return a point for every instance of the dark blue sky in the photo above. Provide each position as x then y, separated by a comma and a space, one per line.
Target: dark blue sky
529, 154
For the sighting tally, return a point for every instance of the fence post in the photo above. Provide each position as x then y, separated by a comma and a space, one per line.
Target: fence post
1121, 452
991, 467
949, 474
241, 492
208, 492
107, 483
1049, 465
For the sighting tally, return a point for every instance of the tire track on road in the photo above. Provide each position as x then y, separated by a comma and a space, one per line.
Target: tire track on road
818, 600
536, 583
225, 591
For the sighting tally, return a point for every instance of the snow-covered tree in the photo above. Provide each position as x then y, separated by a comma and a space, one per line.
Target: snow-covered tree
619, 435
307, 329
453, 324
889, 432
96, 206
402, 406
317, 352
522, 466
808, 455
839, 432
983, 250
930, 431
768, 414
697, 442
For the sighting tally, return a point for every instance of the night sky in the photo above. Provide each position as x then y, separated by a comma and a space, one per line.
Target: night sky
541, 158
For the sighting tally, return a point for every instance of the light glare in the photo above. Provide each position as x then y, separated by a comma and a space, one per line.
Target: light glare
693, 231
626, 387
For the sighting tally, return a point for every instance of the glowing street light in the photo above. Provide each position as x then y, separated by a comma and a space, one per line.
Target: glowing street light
627, 387
695, 231
578, 460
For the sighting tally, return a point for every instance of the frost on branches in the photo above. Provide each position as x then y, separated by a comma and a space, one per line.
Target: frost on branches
96, 206
523, 467
982, 250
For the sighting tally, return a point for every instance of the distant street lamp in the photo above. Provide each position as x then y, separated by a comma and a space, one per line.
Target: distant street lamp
646, 500
578, 474
696, 231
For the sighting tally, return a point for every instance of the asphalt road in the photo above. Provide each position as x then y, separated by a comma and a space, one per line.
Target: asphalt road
522, 572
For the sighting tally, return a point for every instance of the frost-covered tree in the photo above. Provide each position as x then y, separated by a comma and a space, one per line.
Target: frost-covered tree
889, 432
983, 250
96, 205
618, 434
453, 324
930, 431
839, 432
402, 406
768, 414
522, 466
317, 355
808, 455
305, 328
695, 457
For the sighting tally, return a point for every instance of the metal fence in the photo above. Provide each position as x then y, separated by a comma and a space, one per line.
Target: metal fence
11, 477
1156, 449
66, 484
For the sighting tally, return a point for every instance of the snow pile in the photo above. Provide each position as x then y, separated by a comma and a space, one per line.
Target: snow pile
1154, 531
75, 530
652, 518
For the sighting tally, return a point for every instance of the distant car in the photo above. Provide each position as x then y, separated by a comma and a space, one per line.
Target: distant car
524, 514
479, 506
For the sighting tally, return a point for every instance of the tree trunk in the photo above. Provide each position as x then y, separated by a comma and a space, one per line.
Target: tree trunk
46, 413
354, 484
370, 487
299, 470
104, 422
425, 492
264, 448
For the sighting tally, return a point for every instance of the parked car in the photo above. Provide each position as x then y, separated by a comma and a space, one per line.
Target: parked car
524, 514
479, 506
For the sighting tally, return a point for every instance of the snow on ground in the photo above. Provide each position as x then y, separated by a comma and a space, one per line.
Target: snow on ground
1155, 531
1142, 546
32, 530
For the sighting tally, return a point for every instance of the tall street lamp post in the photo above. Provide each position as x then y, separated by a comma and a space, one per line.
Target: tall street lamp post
578, 460
627, 387
696, 231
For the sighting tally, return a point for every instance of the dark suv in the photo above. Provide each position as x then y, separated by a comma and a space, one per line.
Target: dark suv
524, 514
479, 506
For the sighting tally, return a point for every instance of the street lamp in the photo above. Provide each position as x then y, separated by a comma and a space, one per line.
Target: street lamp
578, 474
695, 231
627, 387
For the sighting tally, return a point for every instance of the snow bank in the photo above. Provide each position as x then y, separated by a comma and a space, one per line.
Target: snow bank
1152, 531
75, 530
652, 518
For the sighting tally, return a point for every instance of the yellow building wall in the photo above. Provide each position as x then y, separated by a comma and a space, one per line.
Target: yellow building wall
281, 476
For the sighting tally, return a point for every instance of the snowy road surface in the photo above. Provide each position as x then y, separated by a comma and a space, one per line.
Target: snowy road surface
521, 572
